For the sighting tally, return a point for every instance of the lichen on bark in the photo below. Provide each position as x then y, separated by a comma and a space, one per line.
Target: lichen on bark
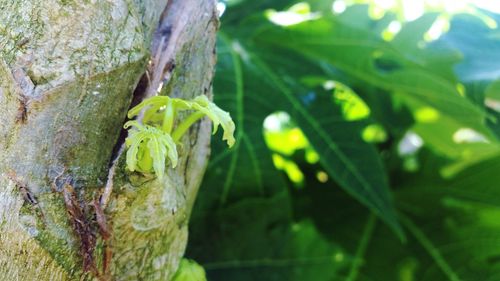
68, 70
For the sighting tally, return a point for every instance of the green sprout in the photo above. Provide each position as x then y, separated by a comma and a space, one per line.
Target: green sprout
153, 141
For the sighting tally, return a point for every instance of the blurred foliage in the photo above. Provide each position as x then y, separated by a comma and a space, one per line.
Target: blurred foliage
363, 151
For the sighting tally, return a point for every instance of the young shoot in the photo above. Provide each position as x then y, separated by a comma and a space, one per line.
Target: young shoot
151, 143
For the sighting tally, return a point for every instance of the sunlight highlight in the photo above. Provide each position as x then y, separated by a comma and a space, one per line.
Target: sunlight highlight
392, 29
426, 115
374, 133
439, 27
298, 13
468, 135
339, 6
409, 10
275, 122
410, 144
221, 8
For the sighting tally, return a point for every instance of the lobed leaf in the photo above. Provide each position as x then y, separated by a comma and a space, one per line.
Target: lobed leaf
218, 117
147, 140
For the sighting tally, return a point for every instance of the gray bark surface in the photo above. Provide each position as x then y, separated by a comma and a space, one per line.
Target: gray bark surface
69, 70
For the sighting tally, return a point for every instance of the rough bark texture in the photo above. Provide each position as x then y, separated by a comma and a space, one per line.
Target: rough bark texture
69, 70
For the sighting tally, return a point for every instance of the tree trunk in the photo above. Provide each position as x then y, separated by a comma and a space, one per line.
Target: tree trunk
69, 71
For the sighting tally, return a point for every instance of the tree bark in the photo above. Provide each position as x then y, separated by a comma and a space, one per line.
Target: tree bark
69, 71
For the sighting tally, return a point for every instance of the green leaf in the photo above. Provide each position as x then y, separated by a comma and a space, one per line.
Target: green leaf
255, 239
366, 57
346, 157
457, 219
218, 117
451, 225
157, 152
189, 270
352, 162
133, 143
145, 139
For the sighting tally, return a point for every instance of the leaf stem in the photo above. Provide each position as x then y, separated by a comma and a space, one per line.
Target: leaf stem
430, 248
184, 126
363, 245
168, 119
